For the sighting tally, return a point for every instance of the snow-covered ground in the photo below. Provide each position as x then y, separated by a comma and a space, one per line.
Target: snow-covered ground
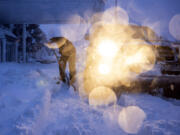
32, 104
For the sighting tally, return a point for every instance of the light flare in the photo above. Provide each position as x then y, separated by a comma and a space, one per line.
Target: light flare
128, 122
107, 48
117, 55
102, 96
174, 28
135, 59
103, 69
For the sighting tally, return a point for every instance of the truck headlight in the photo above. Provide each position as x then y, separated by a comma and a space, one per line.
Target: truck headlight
104, 69
107, 48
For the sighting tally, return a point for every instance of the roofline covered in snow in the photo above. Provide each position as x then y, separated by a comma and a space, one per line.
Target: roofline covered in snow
46, 11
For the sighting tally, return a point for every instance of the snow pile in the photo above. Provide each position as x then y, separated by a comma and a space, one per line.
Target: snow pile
111, 114
32, 104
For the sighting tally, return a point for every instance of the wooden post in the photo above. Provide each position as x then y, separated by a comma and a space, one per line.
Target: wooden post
4, 50
24, 42
16, 51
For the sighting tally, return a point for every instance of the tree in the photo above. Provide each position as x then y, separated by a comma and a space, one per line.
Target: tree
35, 38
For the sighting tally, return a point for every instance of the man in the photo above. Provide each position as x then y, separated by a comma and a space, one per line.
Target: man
68, 54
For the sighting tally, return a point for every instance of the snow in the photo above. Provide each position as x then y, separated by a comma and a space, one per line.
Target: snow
31, 103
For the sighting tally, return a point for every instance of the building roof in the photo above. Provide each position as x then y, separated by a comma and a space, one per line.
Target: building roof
46, 11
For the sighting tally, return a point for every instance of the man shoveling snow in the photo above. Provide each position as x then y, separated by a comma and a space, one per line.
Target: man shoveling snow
68, 55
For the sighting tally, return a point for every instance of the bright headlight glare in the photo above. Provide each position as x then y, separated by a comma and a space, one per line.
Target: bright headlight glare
107, 48
103, 69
